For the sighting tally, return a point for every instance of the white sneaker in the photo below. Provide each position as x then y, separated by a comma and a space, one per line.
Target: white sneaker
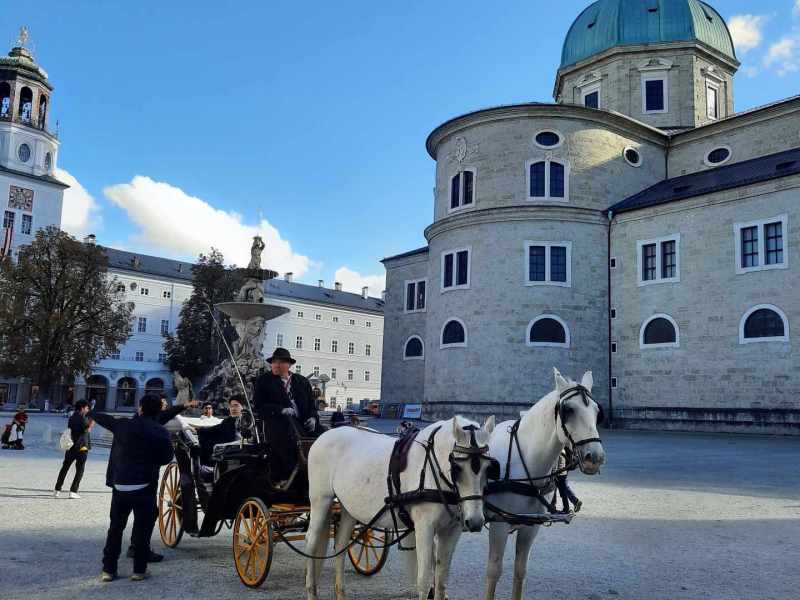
74, 496
57, 494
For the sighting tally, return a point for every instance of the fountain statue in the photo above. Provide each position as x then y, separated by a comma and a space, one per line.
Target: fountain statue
248, 313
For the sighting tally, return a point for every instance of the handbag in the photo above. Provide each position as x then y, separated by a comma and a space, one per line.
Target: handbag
65, 441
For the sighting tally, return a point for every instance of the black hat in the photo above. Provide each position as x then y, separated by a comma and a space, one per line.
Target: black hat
281, 354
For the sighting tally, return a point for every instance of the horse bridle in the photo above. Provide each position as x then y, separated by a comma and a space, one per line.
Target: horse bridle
474, 454
583, 392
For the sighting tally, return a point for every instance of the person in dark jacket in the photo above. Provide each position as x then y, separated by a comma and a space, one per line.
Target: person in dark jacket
337, 418
143, 447
79, 425
279, 397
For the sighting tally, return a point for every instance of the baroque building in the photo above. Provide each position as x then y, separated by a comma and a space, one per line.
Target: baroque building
638, 227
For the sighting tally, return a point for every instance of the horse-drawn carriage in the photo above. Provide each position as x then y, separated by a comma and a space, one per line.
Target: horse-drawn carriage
236, 491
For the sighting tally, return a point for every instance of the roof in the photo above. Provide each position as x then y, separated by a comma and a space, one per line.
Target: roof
609, 23
149, 265
321, 295
40, 178
763, 168
422, 250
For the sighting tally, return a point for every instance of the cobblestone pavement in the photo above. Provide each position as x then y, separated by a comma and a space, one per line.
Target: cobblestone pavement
671, 516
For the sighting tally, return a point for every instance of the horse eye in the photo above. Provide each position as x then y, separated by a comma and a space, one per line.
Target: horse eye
567, 412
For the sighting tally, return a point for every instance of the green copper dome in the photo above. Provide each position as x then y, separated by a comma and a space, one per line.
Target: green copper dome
608, 23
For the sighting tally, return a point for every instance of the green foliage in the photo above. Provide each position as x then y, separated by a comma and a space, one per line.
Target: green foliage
60, 312
196, 348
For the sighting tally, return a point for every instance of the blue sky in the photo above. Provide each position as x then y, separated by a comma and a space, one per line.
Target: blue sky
191, 124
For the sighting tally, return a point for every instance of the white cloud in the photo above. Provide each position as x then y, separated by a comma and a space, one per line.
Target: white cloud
81, 214
797, 8
746, 31
353, 282
751, 71
783, 55
170, 219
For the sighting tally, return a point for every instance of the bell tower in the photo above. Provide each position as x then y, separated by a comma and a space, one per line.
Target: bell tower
30, 194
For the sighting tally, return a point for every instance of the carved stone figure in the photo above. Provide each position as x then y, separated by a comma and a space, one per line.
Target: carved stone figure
255, 253
183, 387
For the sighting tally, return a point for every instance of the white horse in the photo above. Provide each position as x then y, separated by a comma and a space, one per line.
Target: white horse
564, 417
352, 465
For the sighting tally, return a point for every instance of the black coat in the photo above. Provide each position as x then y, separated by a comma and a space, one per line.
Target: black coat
79, 431
270, 398
143, 446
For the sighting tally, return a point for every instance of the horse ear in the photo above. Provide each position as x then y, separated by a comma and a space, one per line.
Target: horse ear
561, 383
588, 380
488, 426
457, 431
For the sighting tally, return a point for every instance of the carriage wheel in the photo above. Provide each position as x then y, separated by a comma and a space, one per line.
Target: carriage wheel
370, 550
252, 542
170, 506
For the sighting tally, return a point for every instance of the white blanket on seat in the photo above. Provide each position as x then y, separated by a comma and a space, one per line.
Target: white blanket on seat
181, 423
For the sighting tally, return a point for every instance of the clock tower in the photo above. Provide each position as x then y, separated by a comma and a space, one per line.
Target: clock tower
30, 195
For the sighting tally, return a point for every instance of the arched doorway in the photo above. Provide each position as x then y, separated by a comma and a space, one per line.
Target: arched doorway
126, 393
5, 100
154, 386
25, 108
97, 390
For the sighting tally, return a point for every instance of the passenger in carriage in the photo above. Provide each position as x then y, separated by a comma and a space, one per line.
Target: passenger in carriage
222, 433
280, 397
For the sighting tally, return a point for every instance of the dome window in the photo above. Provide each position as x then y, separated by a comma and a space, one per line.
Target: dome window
547, 139
632, 157
718, 156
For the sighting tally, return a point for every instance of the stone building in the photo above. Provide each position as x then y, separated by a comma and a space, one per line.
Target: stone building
638, 227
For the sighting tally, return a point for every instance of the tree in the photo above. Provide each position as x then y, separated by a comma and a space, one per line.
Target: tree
196, 348
60, 312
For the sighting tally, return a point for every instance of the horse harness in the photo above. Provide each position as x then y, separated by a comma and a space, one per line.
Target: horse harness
446, 491
525, 486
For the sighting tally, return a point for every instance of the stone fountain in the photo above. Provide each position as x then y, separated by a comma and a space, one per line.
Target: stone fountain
248, 314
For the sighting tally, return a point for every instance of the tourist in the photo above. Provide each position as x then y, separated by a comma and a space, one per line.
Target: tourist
79, 426
208, 411
143, 447
337, 419
566, 493
15, 431
354, 420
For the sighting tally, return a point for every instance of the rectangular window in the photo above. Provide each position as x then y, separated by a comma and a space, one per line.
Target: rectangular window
613, 313
317, 344
368, 323
548, 180
27, 224
455, 191
469, 186
334, 346
613, 347
548, 263
712, 101
299, 314
115, 356
654, 97
139, 357
351, 348
592, 99
352, 321
366, 375
659, 260
368, 350
349, 403
613, 382
142, 325
318, 317
279, 340
760, 245
333, 372
166, 294
162, 357
298, 343
612, 262
164, 327
415, 295
455, 269
8, 220
349, 374
316, 371
335, 319
649, 262
556, 180
537, 180
298, 369
462, 189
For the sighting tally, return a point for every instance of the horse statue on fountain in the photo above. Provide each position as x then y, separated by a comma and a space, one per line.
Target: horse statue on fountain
528, 449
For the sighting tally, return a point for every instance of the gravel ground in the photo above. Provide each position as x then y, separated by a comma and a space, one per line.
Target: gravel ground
671, 516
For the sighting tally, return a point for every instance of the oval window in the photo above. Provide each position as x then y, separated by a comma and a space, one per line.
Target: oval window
548, 139
24, 152
718, 156
632, 157
133, 286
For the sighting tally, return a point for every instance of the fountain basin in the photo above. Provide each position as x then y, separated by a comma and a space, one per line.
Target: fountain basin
249, 310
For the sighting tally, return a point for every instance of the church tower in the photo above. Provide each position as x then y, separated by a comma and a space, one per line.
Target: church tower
32, 197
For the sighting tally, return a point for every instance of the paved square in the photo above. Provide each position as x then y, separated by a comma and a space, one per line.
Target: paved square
671, 516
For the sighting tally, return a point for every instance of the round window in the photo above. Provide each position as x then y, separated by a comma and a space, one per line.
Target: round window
24, 152
632, 157
133, 286
548, 139
718, 155
48, 161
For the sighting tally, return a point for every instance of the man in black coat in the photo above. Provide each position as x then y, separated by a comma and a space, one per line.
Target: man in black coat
280, 397
143, 447
79, 425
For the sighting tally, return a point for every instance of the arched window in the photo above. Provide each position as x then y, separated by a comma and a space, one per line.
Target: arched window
659, 331
414, 348
154, 386
42, 111
97, 390
548, 180
548, 330
5, 100
764, 323
25, 104
126, 392
454, 334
